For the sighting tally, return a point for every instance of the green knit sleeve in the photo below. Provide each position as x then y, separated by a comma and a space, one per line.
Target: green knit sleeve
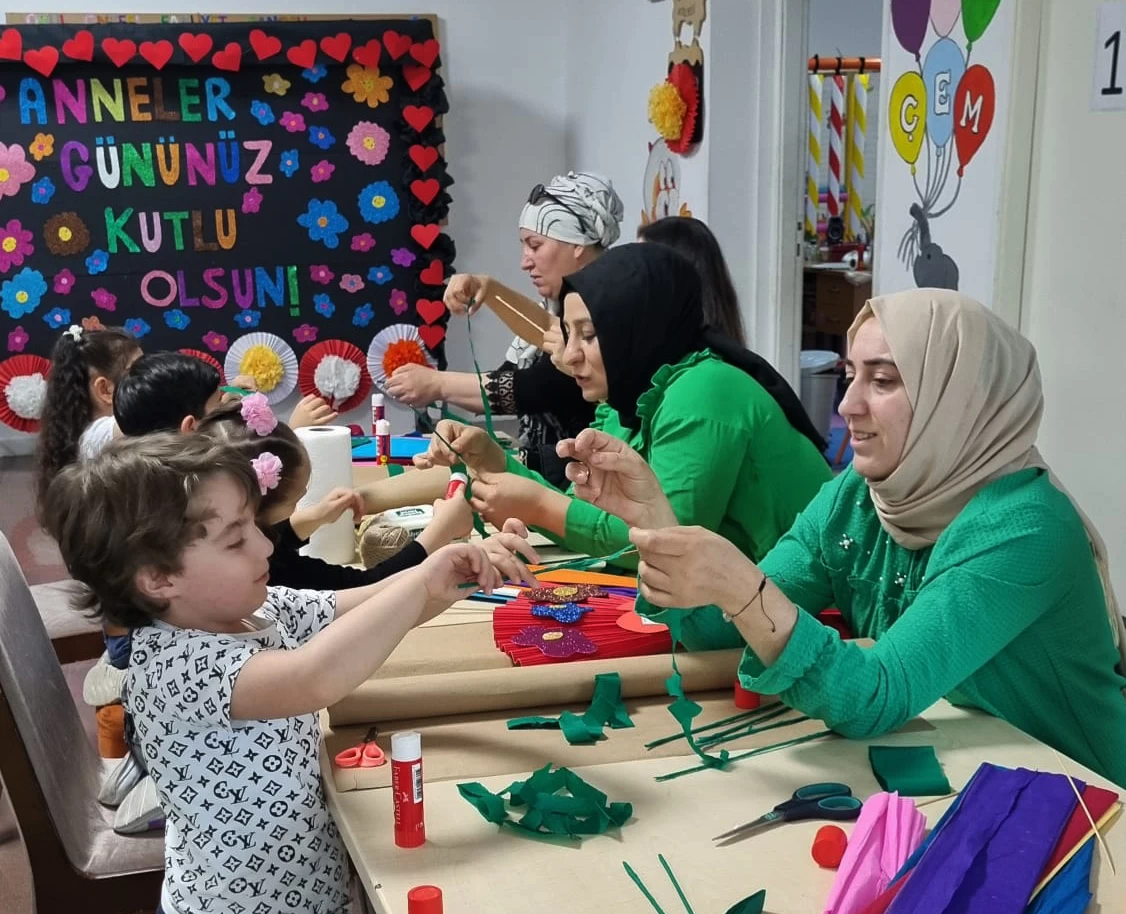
962, 617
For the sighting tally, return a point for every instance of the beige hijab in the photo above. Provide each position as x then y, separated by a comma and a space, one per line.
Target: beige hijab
974, 385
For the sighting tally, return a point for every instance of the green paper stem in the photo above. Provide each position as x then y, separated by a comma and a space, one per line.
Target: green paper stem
239, 391
752, 904
797, 741
606, 709
644, 891
675, 884
757, 714
590, 562
716, 739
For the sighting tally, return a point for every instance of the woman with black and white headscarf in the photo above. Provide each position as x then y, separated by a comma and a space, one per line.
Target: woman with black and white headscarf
563, 227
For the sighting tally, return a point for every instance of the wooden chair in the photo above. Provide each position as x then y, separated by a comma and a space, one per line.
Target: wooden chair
52, 775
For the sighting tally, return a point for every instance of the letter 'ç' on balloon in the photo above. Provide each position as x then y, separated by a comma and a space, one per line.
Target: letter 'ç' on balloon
974, 104
907, 116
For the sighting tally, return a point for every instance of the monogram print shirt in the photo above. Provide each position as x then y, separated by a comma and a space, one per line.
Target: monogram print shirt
248, 831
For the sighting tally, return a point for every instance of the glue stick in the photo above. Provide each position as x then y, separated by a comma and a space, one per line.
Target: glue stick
424, 899
377, 412
383, 441
406, 785
459, 480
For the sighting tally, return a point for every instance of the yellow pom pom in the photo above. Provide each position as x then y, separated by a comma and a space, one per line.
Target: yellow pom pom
667, 110
264, 365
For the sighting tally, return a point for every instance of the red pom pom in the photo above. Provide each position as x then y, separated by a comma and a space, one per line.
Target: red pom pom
829, 846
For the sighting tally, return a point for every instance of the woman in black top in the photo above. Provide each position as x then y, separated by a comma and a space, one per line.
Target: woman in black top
563, 227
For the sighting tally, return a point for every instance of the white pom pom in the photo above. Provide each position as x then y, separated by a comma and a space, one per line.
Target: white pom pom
26, 394
336, 378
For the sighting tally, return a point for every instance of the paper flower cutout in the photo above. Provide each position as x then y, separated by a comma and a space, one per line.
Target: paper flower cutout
137, 327
274, 84
315, 101
18, 340
15, 170
378, 202
262, 112
15, 245
322, 304
566, 593
402, 257
252, 200
321, 137
555, 642
263, 364
22, 293
667, 110
65, 235
216, 342
92, 323
369, 142
249, 318
26, 394
293, 122
380, 275
336, 378
176, 319
98, 262
399, 303
363, 242
363, 315
306, 333
324, 222
57, 317
322, 171
315, 74
42, 146
42, 191
392, 348
63, 283
566, 613
104, 299
320, 273
366, 85
335, 371
289, 163
352, 283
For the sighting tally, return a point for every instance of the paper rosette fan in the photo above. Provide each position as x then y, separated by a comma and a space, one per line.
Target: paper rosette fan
674, 108
269, 360
337, 372
23, 381
209, 359
394, 347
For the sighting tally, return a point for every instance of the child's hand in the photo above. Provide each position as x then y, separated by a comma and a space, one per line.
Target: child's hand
452, 566
308, 520
509, 550
312, 411
453, 520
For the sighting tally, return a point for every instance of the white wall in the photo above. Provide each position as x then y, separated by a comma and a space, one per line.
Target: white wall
617, 50
505, 131
852, 29
1074, 302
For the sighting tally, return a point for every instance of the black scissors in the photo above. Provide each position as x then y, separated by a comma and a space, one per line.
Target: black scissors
813, 801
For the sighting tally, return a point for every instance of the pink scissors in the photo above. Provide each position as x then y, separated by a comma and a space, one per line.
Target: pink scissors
366, 755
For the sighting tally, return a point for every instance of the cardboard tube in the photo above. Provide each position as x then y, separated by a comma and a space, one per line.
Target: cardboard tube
524, 317
475, 691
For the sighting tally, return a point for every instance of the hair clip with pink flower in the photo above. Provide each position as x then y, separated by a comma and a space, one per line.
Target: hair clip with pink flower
268, 469
257, 415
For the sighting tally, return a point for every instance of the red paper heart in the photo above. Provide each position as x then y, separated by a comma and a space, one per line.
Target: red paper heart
230, 58
264, 46
367, 55
426, 190
433, 274
432, 336
397, 45
429, 311
425, 52
426, 235
120, 51
418, 116
304, 55
158, 53
43, 60
80, 47
196, 47
423, 156
11, 45
337, 46
416, 76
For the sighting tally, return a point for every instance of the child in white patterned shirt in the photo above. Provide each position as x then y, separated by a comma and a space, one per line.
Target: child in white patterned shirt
227, 675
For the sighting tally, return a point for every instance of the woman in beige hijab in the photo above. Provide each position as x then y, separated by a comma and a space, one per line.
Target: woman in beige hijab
948, 542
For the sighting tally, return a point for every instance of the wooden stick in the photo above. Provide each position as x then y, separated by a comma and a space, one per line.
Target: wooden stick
520, 314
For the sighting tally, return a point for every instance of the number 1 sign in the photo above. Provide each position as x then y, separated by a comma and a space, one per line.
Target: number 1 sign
1110, 66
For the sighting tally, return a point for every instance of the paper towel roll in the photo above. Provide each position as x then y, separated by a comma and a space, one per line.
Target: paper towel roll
330, 460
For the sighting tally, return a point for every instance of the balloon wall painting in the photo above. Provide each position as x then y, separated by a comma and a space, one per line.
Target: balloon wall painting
939, 114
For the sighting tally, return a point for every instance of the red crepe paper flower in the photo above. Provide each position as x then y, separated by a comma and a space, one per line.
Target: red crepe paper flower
683, 78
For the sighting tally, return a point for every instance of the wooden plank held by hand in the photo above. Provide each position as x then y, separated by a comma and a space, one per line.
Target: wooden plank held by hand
524, 317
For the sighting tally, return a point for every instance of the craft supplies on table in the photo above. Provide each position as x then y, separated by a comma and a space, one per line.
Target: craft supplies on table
403, 449
413, 518
330, 461
824, 800
365, 754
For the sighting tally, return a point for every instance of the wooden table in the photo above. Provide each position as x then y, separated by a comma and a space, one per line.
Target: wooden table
480, 868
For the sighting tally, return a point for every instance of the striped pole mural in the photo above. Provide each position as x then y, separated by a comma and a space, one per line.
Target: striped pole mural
857, 129
836, 143
813, 165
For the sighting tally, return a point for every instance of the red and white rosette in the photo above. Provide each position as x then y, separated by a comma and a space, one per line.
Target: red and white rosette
209, 359
23, 382
337, 372
392, 348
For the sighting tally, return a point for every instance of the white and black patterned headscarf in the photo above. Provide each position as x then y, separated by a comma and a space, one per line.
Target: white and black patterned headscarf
580, 207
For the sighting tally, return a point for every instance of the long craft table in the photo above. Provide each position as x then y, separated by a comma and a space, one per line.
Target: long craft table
483, 868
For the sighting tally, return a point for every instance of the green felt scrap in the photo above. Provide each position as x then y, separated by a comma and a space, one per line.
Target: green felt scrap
683, 709
556, 803
753, 904
912, 771
606, 709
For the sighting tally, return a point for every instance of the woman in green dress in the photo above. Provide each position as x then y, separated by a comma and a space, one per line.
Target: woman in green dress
948, 541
